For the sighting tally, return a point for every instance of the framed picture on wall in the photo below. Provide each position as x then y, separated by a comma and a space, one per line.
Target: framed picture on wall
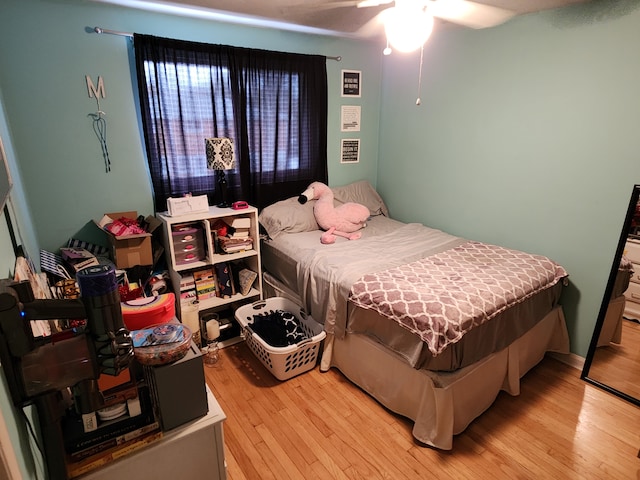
350, 118
350, 150
351, 83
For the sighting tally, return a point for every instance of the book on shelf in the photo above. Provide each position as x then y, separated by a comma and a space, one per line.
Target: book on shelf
77, 468
187, 288
246, 278
241, 222
187, 282
120, 440
224, 278
188, 296
240, 227
205, 281
231, 244
76, 439
241, 233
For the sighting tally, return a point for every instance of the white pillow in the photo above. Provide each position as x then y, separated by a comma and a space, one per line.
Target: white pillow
361, 192
288, 216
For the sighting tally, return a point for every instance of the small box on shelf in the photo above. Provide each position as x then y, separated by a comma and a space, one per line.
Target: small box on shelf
187, 204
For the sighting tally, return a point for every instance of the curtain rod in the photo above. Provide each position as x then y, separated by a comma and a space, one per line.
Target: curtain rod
130, 35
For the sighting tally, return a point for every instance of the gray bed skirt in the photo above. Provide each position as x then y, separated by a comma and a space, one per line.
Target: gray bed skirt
441, 404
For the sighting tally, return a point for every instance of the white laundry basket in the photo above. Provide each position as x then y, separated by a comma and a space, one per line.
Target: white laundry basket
283, 362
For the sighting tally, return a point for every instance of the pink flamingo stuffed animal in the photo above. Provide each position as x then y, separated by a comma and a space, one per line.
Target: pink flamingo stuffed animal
344, 220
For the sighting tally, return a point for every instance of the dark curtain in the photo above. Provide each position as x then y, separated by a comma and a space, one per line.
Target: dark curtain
272, 104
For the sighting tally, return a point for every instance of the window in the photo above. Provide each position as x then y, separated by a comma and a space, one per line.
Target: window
272, 104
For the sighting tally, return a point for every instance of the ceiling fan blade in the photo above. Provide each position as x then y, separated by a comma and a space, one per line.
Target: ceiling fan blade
372, 3
330, 15
323, 5
469, 14
372, 28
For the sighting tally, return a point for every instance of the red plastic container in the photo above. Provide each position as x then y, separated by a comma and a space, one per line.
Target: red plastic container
145, 311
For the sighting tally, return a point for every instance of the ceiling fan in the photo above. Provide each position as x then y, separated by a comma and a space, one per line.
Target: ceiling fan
462, 12
415, 18
409, 23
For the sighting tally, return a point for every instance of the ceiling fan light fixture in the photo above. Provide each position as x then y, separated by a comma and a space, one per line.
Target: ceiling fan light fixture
407, 27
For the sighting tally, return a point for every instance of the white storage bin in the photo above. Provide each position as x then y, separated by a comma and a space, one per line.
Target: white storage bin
283, 362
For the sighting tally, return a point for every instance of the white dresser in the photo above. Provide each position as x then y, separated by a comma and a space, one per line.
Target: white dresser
193, 450
632, 294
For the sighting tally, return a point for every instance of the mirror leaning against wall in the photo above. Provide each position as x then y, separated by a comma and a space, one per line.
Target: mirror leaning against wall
613, 359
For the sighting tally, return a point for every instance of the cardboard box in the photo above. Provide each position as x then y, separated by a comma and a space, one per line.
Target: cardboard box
128, 250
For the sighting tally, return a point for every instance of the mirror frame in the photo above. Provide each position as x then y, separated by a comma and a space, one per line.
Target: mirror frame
635, 195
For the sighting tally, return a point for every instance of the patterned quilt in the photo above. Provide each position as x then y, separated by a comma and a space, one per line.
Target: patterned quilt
445, 295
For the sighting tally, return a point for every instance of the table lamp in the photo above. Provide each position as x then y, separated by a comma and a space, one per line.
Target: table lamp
220, 157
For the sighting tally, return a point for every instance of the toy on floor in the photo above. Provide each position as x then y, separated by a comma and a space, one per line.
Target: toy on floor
344, 220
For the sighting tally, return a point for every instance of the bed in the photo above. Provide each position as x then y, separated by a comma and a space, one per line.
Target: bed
432, 325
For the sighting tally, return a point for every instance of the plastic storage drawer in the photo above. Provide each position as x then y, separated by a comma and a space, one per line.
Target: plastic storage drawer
188, 244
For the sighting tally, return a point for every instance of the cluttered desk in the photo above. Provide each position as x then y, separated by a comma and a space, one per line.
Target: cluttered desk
102, 408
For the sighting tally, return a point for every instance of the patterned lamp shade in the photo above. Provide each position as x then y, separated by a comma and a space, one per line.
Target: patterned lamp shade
220, 153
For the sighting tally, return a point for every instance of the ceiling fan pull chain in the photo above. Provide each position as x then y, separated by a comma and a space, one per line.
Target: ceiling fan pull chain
418, 101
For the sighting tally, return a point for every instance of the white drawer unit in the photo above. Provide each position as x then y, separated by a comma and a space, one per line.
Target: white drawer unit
632, 250
632, 294
193, 450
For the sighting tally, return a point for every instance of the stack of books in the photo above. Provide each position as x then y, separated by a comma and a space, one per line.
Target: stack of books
88, 447
238, 237
240, 227
205, 281
232, 235
187, 288
232, 244
86, 465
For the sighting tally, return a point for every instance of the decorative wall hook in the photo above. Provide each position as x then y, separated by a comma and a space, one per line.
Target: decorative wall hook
99, 121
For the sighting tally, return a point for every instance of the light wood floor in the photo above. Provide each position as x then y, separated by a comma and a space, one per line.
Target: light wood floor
618, 365
321, 426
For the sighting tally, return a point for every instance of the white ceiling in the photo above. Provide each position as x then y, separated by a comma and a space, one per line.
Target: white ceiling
338, 17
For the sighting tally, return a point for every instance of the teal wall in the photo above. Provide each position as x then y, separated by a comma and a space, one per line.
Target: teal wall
46, 54
23, 230
527, 136
46, 51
